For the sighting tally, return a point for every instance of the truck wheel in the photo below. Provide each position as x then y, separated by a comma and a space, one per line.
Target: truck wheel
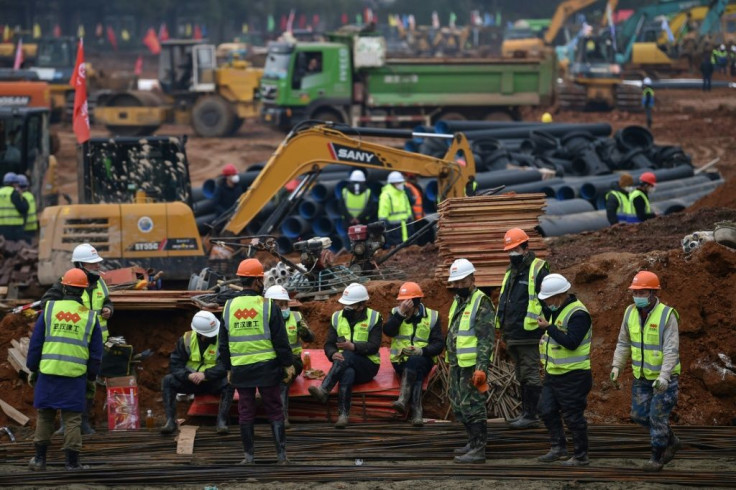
452, 116
499, 115
327, 115
212, 117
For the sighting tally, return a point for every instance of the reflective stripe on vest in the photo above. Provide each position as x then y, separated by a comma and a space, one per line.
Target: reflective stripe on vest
555, 358
650, 342
195, 361
68, 331
99, 293
292, 328
466, 343
9, 215
355, 203
632, 217
534, 307
246, 320
625, 208
360, 332
408, 336
32, 216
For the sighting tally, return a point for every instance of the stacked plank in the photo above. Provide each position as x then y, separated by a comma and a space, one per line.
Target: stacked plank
17, 354
473, 228
153, 300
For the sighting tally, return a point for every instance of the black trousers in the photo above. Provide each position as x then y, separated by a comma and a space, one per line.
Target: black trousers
565, 397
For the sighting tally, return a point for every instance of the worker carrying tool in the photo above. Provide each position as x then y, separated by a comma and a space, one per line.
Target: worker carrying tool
618, 205
516, 316
649, 336
228, 190
394, 208
469, 347
640, 209
64, 356
30, 227
352, 345
298, 332
254, 347
357, 206
194, 368
13, 209
416, 341
565, 354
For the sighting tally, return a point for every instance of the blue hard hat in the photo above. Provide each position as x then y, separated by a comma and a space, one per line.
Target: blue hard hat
21, 180
10, 178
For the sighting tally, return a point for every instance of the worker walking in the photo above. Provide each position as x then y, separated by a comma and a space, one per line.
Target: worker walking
254, 347
30, 227
228, 190
13, 209
516, 316
618, 205
469, 347
352, 345
647, 99
655, 362
416, 341
565, 354
356, 200
64, 356
640, 209
194, 368
298, 332
394, 209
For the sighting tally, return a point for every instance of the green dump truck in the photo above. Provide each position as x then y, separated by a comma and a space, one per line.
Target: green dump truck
351, 81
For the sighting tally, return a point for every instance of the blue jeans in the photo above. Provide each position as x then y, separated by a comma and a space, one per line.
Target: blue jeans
652, 410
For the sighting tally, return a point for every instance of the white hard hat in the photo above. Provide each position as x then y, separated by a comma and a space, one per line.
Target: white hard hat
554, 284
460, 269
354, 293
647, 81
357, 176
723, 46
205, 323
277, 292
733, 47
85, 253
395, 177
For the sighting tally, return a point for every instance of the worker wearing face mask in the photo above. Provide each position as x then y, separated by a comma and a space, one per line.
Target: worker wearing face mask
618, 204
394, 208
356, 200
229, 189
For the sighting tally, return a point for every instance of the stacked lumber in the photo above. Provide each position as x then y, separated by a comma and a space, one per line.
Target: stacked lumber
473, 228
17, 354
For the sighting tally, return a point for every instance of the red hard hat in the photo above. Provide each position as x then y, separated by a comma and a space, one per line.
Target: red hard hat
514, 237
250, 268
229, 170
75, 277
645, 280
410, 290
648, 178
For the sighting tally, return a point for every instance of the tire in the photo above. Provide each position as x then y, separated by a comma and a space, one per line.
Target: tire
499, 115
131, 99
213, 117
237, 124
452, 116
327, 115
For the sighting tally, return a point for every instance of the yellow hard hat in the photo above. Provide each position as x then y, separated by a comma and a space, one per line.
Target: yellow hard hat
546, 117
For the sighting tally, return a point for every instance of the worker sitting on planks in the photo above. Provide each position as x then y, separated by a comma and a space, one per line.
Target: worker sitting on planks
195, 369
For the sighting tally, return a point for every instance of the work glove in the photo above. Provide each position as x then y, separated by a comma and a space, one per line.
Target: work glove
302, 331
411, 351
479, 380
33, 378
289, 373
660, 385
614, 374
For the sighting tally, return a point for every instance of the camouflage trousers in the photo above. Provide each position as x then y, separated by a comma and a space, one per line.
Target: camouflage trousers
652, 410
468, 404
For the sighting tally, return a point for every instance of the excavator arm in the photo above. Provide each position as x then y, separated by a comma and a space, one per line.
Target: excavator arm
563, 12
316, 147
610, 9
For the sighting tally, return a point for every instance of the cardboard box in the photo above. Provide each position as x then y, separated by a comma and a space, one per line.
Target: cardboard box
122, 404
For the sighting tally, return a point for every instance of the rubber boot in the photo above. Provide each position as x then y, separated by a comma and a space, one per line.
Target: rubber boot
279, 440
344, 395
477, 453
407, 380
417, 420
223, 411
247, 436
555, 453
528, 419
285, 403
673, 445
580, 449
86, 427
170, 411
38, 462
468, 446
656, 461
72, 461
322, 392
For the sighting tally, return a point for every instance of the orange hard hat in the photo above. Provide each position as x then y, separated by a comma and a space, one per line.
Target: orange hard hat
410, 290
645, 280
648, 178
250, 268
75, 277
229, 170
513, 238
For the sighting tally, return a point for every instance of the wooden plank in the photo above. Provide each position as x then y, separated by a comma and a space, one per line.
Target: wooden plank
17, 360
185, 440
13, 413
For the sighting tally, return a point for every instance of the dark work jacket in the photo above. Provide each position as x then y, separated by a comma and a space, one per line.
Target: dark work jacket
706, 66
514, 301
435, 342
612, 205
225, 196
361, 348
577, 327
179, 358
56, 292
640, 208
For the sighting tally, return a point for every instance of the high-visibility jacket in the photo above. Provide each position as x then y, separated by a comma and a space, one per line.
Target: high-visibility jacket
557, 359
471, 188
410, 336
718, 56
632, 217
534, 307
32, 216
647, 91
246, 319
417, 207
625, 208
99, 293
360, 331
292, 327
394, 207
68, 332
646, 343
466, 343
9, 215
356, 203
196, 361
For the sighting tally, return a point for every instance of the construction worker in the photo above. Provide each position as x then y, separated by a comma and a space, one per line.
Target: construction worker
352, 345
647, 99
13, 209
469, 347
706, 68
64, 356
414, 193
471, 187
416, 333
254, 347
298, 332
31, 225
394, 209
228, 190
640, 209
516, 316
719, 58
732, 60
194, 368
565, 354
617, 200
356, 200
547, 118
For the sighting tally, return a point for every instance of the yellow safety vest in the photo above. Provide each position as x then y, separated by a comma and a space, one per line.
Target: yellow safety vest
196, 361
394, 207
246, 320
555, 358
99, 293
356, 203
650, 341
32, 216
292, 327
466, 343
9, 215
408, 336
534, 307
68, 332
632, 217
625, 208
360, 332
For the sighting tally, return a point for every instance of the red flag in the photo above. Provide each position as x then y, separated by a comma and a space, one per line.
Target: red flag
80, 120
18, 55
57, 31
344, 19
302, 21
283, 23
290, 21
315, 21
197, 32
138, 66
151, 41
163, 32
112, 38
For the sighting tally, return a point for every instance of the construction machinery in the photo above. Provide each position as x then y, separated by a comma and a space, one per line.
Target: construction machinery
8, 49
194, 90
22, 88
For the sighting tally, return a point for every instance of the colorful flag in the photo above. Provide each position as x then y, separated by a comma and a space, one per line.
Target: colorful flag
57, 31
18, 55
80, 119
112, 38
80, 30
344, 19
36, 30
138, 65
435, 20
290, 21
271, 23
197, 32
151, 41
163, 32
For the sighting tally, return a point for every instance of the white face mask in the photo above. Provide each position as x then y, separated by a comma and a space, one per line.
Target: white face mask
356, 188
514, 253
285, 313
234, 178
400, 187
629, 188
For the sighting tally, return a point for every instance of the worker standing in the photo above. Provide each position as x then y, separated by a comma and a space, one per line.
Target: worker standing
719, 58
254, 347
647, 99
298, 332
416, 341
31, 224
655, 362
516, 316
352, 345
732, 60
617, 200
469, 347
228, 190
414, 193
194, 368
13, 209
64, 356
565, 354
640, 209
394, 208
356, 200
707, 68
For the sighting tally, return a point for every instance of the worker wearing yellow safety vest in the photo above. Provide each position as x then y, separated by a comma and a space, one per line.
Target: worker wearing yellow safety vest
640, 209
352, 345
618, 205
298, 331
64, 356
357, 205
31, 223
469, 347
13, 209
395, 209
194, 368
416, 341
254, 347
565, 354
649, 336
